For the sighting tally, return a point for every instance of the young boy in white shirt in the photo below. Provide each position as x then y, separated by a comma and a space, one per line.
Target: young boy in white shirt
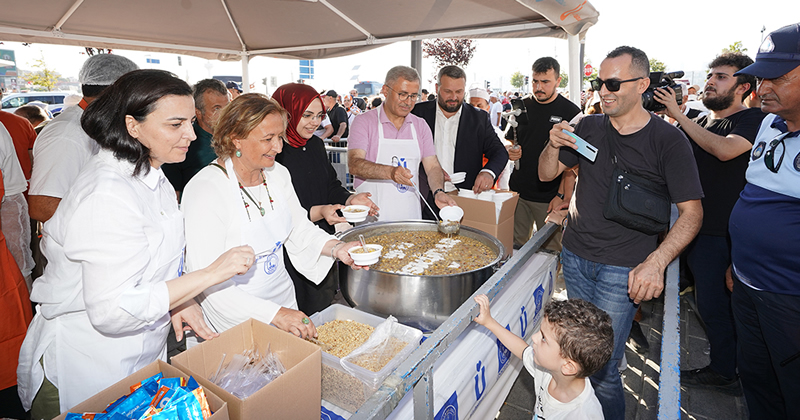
575, 340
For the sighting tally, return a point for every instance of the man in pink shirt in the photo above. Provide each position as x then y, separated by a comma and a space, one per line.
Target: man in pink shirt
387, 145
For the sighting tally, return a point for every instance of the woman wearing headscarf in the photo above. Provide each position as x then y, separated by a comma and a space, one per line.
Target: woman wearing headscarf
319, 190
245, 197
115, 251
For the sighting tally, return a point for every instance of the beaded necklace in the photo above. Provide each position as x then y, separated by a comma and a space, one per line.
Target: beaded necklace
257, 204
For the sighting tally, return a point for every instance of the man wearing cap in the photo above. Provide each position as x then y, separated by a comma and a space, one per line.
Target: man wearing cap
234, 89
479, 98
764, 228
389, 144
338, 116
543, 108
720, 142
496, 109
210, 96
462, 135
62, 147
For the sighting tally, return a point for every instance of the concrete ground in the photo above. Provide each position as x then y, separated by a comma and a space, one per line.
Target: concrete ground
641, 378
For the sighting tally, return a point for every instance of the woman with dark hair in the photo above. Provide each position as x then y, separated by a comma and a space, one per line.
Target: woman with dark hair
315, 182
115, 251
245, 197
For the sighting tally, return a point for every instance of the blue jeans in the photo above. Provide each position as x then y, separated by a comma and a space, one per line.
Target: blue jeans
768, 328
708, 258
606, 286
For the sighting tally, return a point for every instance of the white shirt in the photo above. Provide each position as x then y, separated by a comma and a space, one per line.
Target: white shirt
444, 138
111, 245
496, 108
59, 153
324, 124
13, 177
213, 226
583, 407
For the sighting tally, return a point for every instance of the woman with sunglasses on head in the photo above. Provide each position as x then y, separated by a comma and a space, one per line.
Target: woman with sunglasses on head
115, 251
245, 197
315, 182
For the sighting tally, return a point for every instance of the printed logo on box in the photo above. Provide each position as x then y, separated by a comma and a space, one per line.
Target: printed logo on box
480, 381
538, 296
449, 410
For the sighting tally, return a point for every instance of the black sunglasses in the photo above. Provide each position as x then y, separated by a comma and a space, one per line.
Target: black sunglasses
769, 155
612, 85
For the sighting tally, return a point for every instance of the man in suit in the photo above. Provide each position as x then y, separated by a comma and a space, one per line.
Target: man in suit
463, 135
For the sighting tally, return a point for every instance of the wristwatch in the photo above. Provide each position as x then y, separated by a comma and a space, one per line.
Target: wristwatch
559, 195
437, 192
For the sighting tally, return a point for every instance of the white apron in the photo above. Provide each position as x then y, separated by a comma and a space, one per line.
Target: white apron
267, 278
80, 360
396, 201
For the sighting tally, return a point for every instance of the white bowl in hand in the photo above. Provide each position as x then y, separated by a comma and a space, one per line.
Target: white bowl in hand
458, 177
367, 256
451, 214
355, 213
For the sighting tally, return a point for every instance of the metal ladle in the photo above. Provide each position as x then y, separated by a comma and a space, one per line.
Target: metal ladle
448, 228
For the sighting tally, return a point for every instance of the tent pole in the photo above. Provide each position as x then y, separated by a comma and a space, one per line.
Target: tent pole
245, 72
416, 56
575, 67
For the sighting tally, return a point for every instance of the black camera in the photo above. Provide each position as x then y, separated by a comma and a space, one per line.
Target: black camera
659, 79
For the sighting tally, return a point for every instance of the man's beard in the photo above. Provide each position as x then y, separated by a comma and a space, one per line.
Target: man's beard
446, 108
720, 102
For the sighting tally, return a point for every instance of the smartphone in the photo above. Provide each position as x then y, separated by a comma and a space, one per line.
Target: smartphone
517, 103
584, 148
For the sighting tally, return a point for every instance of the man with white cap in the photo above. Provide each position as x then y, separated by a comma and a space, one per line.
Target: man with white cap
62, 147
496, 109
479, 98
764, 227
462, 135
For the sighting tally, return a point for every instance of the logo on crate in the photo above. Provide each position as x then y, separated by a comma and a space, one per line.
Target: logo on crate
449, 410
503, 354
550, 282
538, 296
481, 375
523, 321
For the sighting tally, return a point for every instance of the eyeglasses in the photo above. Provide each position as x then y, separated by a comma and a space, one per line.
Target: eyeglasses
769, 155
403, 96
612, 85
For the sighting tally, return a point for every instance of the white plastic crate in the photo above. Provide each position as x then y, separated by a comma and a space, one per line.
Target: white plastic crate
339, 386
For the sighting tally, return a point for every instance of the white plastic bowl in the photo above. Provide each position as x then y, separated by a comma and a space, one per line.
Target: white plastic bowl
366, 258
355, 213
458, 177
463, 192
486, 195
451, 213
501, 196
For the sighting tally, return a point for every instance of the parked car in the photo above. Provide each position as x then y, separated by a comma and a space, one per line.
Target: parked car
54, 100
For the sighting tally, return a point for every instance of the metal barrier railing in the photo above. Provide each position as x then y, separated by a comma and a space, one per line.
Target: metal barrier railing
417, 370
669, 387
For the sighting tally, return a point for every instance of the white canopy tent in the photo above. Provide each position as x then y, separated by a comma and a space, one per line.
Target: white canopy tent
300, 29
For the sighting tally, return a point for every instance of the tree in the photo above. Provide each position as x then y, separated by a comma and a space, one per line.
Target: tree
564, 80
449, 52
44, 77
656, 65
517, 80
736, 47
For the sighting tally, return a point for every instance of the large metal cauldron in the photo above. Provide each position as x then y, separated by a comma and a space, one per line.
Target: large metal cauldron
420, 301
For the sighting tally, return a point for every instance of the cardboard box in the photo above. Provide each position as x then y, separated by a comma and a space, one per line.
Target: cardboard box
294, 395
481, 215
105, 397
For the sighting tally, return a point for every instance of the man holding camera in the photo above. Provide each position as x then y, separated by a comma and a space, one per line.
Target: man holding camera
607, 262
721, 141
543, 108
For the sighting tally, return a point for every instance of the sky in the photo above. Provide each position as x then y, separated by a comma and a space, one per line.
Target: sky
683, 34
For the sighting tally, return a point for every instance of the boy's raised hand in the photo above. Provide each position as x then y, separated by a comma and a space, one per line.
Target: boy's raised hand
485, 316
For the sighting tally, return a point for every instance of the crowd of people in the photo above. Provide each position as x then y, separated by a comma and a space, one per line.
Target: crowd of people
165, 208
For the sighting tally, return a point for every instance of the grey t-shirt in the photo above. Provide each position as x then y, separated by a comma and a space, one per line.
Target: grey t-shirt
658, 152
